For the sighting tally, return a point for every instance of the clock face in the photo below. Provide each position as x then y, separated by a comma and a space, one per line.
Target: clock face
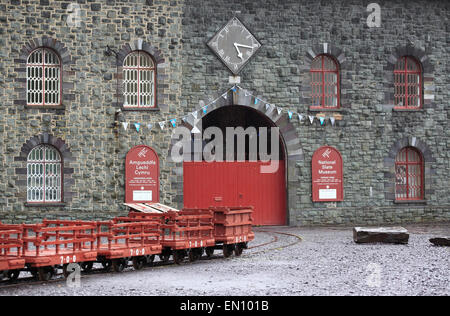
234, 45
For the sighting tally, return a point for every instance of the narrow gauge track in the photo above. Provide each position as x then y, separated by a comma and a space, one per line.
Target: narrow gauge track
59, 278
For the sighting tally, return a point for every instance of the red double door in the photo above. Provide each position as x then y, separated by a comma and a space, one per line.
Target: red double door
237, 184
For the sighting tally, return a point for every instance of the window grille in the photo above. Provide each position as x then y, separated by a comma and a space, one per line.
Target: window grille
43, 78
324, 83
44, 175
409, 175
139, 80
408, 83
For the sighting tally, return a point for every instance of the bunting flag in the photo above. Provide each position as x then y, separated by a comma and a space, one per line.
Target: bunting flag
204, 108
290, 114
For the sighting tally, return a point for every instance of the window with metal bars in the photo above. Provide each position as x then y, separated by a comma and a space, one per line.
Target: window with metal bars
408, 83
139, 77
409, 175
324, 83
43, 78
44, 167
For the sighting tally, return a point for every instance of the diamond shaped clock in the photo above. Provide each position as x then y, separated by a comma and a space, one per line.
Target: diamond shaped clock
234, 44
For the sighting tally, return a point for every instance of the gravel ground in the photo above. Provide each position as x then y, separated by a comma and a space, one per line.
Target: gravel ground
326, 262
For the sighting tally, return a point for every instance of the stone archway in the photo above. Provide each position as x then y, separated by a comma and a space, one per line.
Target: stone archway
288, 132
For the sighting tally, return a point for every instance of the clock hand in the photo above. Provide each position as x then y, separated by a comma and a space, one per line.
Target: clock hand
245, 46
239, 52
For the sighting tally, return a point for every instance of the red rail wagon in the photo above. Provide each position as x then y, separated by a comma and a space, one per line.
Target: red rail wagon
232, 229
126, 238
55, 244
11, 261
187, 233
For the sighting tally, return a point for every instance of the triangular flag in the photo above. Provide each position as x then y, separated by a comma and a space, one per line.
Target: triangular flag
161, 124
234, 89
224, 96
279, 110
311, 119
256, 101
138, 126
300, 117
205, 109
290, 114
150, 126
332, 120
195, 114
125, 125
322, 120
267, 106
174, 122
184, 119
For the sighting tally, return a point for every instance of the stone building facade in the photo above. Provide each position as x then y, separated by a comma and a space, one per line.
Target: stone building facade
87, 131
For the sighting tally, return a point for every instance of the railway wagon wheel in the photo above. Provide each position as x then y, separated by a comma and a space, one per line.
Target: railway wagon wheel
238, 249
119, 265
107, 264
209, 251
87, 266
228, 250
12, 275
139, 262
195, 254
178, 256
45, 273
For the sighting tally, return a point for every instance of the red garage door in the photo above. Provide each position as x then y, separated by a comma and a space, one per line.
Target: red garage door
237, 184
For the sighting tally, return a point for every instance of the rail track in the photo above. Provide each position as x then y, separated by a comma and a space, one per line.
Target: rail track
59, 277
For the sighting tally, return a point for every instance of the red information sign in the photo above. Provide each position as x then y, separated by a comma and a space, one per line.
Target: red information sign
327, 175
142, 175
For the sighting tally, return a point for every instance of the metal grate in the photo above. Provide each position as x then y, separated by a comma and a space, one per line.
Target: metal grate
408, 83
409, 175
44, 175
324, 83
43, 78
139, 80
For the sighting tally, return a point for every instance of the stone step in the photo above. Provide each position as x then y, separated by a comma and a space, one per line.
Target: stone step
440, 241
390, 235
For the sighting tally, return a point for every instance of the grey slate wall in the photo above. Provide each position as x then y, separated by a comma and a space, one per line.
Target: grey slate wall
368, 135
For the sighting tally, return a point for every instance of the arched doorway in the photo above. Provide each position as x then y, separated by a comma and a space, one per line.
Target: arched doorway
239, 183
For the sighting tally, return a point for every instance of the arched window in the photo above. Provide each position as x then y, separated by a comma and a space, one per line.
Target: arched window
43, 78
44, 183
408, 83
139, 77
324, 83
409, 175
